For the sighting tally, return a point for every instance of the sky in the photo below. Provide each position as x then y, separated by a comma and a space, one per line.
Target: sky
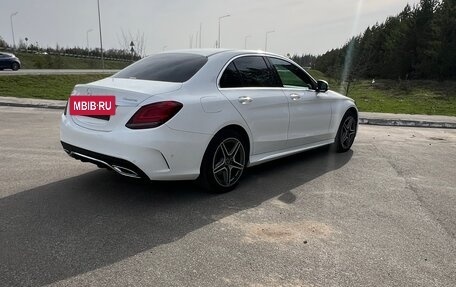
301, 26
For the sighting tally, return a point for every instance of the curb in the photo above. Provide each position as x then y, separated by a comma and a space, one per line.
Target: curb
362, 120
40, 106
406, 123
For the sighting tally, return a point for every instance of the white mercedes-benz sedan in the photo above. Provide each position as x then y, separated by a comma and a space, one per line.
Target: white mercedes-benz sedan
207, 115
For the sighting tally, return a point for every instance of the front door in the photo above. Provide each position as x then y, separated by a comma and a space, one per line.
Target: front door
310, 111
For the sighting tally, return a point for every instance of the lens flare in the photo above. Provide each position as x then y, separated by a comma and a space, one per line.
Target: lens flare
350, 50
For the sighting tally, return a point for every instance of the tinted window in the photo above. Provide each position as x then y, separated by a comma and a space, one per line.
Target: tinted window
291, 75
169, 67
254, 72
231, 77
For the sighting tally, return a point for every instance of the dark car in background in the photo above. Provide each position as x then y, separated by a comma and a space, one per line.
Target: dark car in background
9, 61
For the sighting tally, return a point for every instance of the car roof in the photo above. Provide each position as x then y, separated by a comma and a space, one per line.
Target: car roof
212, 52
8, 54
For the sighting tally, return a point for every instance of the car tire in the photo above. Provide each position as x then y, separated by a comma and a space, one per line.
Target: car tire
15, 66
346, 133
223, 163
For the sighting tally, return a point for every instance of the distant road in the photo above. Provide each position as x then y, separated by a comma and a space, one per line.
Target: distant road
54, 72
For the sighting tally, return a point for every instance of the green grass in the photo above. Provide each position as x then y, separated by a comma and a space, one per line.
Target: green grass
55, 87
37, 61
405, 97
413, 97
385, 96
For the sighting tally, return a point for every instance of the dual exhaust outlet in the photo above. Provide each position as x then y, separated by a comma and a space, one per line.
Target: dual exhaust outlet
119, 169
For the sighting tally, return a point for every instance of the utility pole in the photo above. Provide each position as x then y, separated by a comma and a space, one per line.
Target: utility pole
12, 29
87, 35
101, 37
220, 18
266, 44
201, 31
245, 41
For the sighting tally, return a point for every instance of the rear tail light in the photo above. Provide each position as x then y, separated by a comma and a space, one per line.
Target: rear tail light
154, 115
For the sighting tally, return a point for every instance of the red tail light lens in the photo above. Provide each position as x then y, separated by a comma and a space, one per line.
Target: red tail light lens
154, 115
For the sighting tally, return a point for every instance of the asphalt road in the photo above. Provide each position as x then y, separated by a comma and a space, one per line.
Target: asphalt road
381, 215
54, 72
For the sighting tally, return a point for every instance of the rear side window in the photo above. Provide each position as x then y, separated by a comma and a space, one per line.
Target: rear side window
231, 77
169, 67
252, 71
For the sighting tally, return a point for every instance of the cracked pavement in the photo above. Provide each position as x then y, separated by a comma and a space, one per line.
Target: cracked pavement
381, 215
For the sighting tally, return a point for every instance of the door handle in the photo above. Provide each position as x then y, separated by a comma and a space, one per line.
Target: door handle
295, 97
245, 100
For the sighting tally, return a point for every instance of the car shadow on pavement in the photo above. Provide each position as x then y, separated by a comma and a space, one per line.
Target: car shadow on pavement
79, 224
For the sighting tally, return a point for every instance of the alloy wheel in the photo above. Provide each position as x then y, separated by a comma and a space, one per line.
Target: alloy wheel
348, 132
228, 162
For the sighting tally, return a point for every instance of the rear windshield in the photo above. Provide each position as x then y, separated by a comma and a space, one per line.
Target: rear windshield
169, 67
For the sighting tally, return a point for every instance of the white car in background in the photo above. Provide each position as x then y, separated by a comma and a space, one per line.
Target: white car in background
208, 115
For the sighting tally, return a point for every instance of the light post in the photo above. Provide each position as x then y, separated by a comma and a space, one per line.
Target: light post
12, 29
220, 18
245, 41
101, 37
201, 31
266, 44
87, 35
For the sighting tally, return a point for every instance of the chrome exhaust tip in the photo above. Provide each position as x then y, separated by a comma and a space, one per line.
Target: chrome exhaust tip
119, 169
124, 171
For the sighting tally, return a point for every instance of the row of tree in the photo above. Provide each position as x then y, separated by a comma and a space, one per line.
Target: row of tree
419, 43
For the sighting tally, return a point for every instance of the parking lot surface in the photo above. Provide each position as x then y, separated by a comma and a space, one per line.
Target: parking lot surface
383, 214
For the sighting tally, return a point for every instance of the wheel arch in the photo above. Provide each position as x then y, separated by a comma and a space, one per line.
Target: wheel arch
206, 180
15, 62
353, 111
239, 129
341, 115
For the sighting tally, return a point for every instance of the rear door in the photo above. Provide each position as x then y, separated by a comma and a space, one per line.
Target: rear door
254, 90
310, 111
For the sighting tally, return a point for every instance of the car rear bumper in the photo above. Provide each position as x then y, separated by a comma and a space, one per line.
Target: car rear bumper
157, 154
118, 165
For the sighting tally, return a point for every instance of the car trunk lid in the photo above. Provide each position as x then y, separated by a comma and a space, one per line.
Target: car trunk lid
129, 94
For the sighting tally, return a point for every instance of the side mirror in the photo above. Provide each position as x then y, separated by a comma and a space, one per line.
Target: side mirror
322, 86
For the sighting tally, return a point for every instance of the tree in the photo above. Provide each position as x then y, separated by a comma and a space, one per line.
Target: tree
428, 43
138, 39
447, 33
3, 44
420, 42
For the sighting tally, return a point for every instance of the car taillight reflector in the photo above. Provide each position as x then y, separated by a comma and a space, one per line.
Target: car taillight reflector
154, 115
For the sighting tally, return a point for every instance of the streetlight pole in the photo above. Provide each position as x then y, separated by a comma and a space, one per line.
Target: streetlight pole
12, 29
201, 31
245, 41
87, 35
266, 44
101, 38
220, 18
